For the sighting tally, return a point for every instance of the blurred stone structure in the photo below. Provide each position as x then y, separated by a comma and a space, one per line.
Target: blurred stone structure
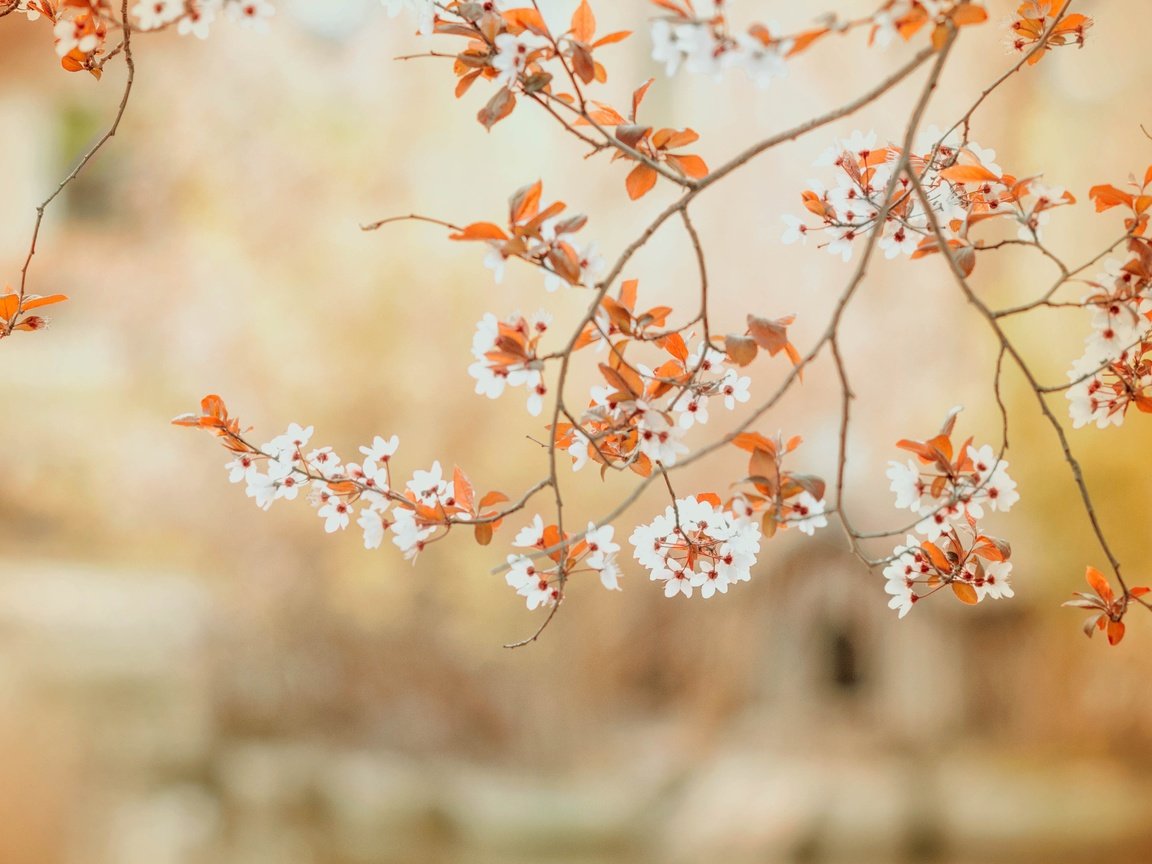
136, 732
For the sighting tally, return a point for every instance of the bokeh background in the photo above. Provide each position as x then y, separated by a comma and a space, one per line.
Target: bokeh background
185, 680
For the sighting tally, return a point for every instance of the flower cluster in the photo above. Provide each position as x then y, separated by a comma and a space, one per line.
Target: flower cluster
906, 18
514, 48
1034, 18
962, 183
638, 417
697, 544
14, 310
1115, 371
974, 565
949, 487
196, 16
1108, 609
81, 27
658, 381
424, 510
540, 237
505, 353
703, 41
705, 45
539, 577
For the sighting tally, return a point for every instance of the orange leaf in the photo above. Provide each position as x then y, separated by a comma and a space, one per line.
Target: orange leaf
498, 107
34, 302
492, 498
1107, 196
671, 139
968, 174
936, 556
626, 383
740, 349
1072, 22
804, 40
628, 290
771, 335
552, 538
526, 19
463, 489
583, 22
673, 343
965, 593
525, 204
638, 97
752, 441
480, 231
640, 181
939, 36
693, 166
1115, 632
605, 115
969, 13
213, 406
466, 82
9, 303
618, 36
1099, 584
483, 533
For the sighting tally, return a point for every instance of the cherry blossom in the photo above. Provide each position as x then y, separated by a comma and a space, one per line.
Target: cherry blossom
254, 13
514, 53
695, 544
963, 184
973, 565
152, 14
948, 485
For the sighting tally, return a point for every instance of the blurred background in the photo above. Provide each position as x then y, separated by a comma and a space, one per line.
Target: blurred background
184, 679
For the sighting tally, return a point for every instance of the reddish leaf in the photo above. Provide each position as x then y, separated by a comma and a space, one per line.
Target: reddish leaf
483, 533
771, 335
583, 64
741, 350
1099, 584
498, 107
1115, 632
